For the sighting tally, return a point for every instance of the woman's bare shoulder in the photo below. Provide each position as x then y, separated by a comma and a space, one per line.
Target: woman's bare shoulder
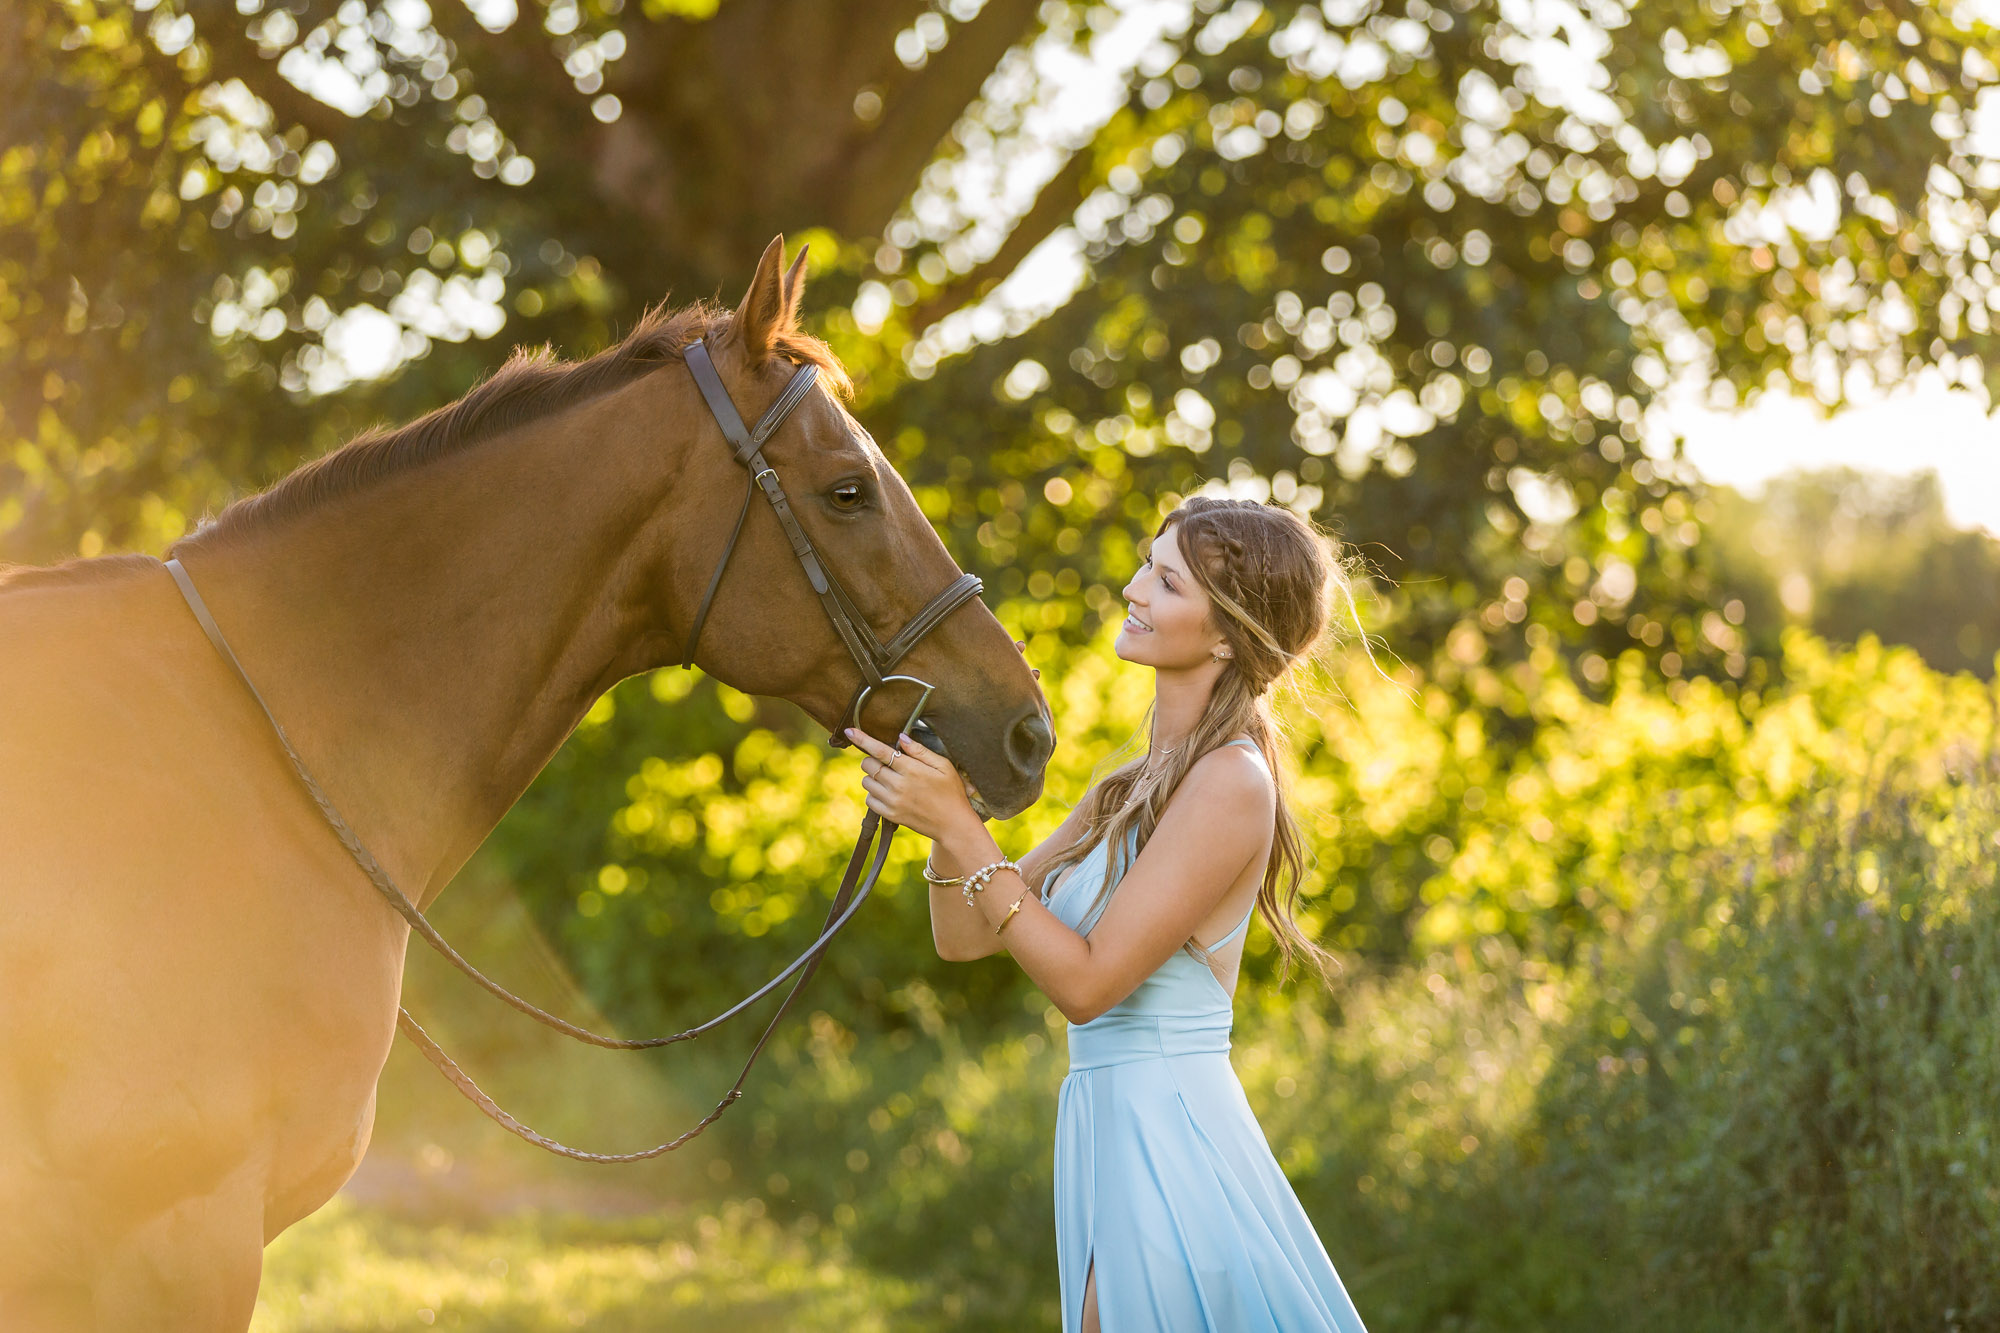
1229, 781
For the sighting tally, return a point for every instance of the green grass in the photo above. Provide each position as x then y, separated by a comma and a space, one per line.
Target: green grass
351, 1268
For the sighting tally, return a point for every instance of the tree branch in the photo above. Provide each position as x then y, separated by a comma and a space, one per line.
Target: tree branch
516, 68
867, 48
867, 184
1055, 205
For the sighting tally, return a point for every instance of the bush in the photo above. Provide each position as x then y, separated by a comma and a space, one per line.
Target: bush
1693, 1029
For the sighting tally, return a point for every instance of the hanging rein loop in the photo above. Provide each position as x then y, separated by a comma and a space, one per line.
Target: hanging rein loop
837, 916
864, 866
854, 890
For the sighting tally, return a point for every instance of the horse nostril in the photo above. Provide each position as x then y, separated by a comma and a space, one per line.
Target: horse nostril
1030, 742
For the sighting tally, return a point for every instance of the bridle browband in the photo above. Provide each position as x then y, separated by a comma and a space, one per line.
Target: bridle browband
871, 848
874, 658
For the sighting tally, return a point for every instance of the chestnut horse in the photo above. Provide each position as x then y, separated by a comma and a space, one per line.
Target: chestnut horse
198, 987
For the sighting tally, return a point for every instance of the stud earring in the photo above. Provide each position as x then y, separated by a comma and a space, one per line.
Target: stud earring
1222, 656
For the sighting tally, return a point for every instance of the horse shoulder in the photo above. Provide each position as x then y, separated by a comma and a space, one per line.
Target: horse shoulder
199, 983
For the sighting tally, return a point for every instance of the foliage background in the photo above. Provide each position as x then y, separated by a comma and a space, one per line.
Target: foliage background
1741, 1082
1664, 917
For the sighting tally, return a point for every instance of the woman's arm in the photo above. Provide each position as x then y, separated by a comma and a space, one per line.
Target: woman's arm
1216, 823
960, 931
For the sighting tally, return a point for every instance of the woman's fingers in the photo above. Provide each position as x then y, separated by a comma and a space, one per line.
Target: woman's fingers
868, 744
923, 754
900, 782
897, 756
887, 751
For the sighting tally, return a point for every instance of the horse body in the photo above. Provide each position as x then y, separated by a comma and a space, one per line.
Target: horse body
198, 996
198, 988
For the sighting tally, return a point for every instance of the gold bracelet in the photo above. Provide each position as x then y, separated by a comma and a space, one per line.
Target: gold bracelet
932, 877
1010, 911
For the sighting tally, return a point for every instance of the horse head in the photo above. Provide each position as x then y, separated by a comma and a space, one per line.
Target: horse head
769, 632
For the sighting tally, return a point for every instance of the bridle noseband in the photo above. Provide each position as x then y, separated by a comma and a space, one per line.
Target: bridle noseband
875, 659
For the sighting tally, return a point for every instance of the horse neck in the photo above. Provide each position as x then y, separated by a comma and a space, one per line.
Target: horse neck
430, 640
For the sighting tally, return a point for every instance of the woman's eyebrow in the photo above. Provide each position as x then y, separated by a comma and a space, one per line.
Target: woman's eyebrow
1166, 568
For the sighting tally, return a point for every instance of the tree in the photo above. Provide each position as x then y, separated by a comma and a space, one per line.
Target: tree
1386, 261
1379, 257
192, 197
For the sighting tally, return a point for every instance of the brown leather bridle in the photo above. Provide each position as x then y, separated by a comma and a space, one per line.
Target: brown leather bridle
875, 660
872, 657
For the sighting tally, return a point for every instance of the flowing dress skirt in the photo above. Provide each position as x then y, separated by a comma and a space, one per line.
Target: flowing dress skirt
1165, 1183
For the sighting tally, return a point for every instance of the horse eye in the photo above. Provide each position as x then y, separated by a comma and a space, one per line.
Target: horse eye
847, 495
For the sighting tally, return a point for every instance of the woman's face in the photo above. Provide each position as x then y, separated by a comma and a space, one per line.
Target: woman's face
1166, 623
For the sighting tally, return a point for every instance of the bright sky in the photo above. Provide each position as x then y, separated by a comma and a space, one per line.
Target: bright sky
1921, 427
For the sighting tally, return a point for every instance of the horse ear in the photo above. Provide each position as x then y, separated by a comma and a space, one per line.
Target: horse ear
765, 310
795, 287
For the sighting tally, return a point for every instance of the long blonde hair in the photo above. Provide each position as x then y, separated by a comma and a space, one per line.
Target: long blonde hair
1269, 575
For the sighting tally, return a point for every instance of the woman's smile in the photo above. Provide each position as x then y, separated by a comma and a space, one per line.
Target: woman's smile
1134, 625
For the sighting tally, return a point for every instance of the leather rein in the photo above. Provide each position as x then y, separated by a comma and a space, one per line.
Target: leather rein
876, 662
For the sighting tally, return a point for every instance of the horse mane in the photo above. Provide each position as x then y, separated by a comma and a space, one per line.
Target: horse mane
533, 384
101, 569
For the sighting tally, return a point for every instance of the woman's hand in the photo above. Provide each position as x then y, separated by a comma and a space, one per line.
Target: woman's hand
910, 786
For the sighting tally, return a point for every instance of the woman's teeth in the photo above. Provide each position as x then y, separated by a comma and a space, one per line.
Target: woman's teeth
1136, 625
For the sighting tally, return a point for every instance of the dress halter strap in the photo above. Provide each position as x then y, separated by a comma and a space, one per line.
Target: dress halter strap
1234, 933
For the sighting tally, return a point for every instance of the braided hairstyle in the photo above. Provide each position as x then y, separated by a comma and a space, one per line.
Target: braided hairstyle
1269, 575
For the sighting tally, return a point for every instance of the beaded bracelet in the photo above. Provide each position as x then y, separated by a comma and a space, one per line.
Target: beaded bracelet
976, 881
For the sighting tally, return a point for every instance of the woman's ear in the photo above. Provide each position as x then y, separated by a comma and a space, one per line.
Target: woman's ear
1215, 642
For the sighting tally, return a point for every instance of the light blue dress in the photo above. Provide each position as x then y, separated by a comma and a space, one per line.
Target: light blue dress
1163, 1177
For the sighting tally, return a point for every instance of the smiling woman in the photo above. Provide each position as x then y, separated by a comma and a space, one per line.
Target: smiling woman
1171, 1213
